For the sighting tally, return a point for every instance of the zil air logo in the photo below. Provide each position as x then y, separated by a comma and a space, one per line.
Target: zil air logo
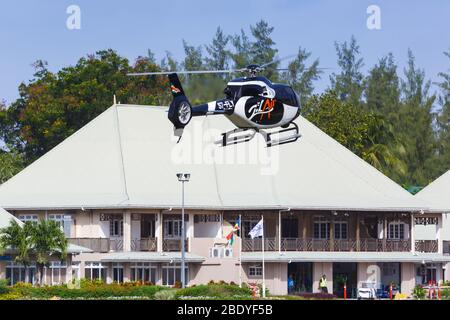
263, 107
174, 89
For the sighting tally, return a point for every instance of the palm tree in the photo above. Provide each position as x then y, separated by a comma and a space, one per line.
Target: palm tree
40, 240
48, 241
16, 237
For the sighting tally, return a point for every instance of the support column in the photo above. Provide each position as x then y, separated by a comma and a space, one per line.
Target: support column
439, 235
159, 231
358, 233
408, 278
411, 234
126, 230
190, 230
304, 226
277, 232
109, 273
332, 231
447, 271
126, 272
68, 269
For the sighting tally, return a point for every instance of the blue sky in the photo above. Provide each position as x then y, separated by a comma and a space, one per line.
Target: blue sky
36, 29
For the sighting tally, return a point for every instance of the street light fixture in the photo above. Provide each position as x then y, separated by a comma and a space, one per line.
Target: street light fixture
183, 177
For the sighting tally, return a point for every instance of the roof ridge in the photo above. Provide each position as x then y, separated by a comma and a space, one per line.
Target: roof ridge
122, 162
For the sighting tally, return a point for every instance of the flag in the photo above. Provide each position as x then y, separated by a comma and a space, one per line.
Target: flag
236, 228
257, 231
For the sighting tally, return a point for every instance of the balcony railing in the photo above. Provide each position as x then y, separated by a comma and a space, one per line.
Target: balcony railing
427, 246
310, 244
173, 244
144, 244
95, 244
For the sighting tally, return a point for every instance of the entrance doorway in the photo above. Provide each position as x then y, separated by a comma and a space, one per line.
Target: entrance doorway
345, 273
301, 273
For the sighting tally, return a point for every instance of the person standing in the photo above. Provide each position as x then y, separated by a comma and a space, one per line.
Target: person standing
323, 284
291, 284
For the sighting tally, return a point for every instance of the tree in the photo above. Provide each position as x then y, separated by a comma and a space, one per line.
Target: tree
242, 50
52, 106
358, 130
48, 240
301, 77
18, 238
262, 49
219, 56
10, 164
416, 125
441, 162
348, 84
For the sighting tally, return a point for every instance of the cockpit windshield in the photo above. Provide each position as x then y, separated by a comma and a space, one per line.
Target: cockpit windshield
286, 95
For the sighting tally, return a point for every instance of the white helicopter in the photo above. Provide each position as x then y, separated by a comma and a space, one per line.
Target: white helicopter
253, 104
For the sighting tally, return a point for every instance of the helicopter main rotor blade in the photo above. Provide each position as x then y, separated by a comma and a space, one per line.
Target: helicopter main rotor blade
277, 60
183, 72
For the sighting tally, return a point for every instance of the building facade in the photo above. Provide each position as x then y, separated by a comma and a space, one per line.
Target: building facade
112, 188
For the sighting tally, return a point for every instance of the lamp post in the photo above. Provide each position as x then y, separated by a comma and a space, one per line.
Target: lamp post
183, 177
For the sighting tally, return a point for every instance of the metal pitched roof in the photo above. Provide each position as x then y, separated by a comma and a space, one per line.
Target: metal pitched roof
140, 256
437, 193
127, 158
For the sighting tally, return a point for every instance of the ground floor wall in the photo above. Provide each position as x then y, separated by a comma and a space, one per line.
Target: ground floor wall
404, 275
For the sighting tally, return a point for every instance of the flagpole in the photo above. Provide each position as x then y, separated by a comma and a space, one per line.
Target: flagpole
240, 252
263, 267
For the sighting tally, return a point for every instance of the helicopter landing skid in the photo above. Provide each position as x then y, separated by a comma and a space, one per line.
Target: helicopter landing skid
236, 136
274, 138
288, 135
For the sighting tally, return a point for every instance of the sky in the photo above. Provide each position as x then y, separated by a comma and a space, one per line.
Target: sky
36, 29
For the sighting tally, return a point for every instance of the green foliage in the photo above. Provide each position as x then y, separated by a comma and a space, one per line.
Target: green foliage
88, 291
54, 105
400, 127
419, 292
4, 286
43, 239
214, 290
348, 84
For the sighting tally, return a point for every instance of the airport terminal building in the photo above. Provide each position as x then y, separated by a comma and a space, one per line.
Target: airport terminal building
113, 188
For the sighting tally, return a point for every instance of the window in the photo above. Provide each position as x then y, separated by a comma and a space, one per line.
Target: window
95, 271
286, 95
251, 90
231, 92
396, 230
340, 229
64, 221
118, 272
255, 270
116, 226
28, 217
171, 273
147, 226
321, 228
172, 228
57, 272
144, 271
16, 272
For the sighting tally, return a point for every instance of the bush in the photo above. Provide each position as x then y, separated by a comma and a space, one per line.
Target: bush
445, 294
88, 290
218, 291
165, 295
419, 292
4, 286
317, 295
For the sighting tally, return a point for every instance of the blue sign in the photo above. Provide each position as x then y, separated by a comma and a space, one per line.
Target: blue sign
5, 258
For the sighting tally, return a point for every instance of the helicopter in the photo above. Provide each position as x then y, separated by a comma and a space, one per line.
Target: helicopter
252, 103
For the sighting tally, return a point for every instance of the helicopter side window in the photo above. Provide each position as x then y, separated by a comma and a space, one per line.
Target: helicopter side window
251, 91
231, 92
286, 95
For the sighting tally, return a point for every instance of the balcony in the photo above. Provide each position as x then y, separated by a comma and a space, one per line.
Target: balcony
174, 244
95, 244
144, 244
311, 244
